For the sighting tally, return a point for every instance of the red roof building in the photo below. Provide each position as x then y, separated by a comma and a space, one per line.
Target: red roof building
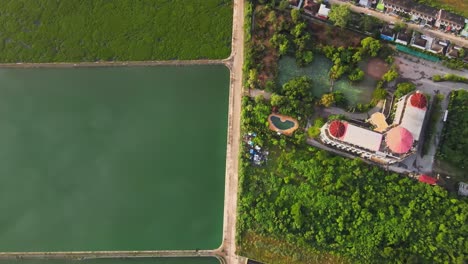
399, 140
418, 100
427, 179
337, 128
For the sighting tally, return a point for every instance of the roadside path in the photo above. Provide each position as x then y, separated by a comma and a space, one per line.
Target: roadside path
80, 255
382, 16
114, 64
228, 246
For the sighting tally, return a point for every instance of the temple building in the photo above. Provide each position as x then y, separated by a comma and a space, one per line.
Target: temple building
385, 143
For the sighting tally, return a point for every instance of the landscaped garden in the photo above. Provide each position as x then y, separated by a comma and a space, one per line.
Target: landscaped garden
118, 30
305, 205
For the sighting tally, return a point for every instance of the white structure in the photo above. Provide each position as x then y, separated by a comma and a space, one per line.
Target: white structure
394, 144
410, 113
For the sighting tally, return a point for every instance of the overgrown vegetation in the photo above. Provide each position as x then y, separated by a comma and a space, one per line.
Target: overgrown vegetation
449, 77
454, 141
404, 88
118, 30
434, 117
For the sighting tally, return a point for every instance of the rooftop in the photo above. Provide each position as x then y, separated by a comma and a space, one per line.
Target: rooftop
425, 10
411, 116
451, 17
400, 3
362, 137
399, 140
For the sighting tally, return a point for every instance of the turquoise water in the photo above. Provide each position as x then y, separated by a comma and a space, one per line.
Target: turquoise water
360, 92
112, 158
119, 261
281, 125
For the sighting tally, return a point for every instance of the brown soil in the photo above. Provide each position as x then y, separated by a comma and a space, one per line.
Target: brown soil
376, 68
328, 35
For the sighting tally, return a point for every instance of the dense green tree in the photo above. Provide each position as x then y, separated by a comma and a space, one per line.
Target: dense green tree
356, 75
404, 88
390, 75
340, 15
371, 46
454, 145
295, 15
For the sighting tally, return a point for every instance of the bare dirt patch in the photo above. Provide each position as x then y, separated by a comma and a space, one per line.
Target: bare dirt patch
376, 68
329, 35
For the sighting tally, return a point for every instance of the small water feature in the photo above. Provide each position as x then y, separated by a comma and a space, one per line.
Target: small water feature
283, 125
360, 92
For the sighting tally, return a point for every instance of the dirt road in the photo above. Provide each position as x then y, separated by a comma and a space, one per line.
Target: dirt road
228, 246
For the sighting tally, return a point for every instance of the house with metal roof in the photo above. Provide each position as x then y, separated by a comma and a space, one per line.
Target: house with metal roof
391, 144
453, 51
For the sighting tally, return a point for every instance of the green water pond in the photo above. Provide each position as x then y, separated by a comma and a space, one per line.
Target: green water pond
360, 92
112, 158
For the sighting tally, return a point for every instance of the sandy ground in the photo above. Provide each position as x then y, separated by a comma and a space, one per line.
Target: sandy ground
376, 68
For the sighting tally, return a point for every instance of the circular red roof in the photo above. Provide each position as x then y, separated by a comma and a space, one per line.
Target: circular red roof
418, 100
337, 128
399, 140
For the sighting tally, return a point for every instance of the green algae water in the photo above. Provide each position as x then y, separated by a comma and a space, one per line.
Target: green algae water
112, 158
200, 260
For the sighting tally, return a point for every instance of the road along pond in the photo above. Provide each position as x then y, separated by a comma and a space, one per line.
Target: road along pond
112, 158
171, 260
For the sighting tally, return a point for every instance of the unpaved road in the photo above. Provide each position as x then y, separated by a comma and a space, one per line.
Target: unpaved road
228, 246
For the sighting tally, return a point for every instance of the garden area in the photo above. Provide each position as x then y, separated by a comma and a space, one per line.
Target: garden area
118, 30
305, 205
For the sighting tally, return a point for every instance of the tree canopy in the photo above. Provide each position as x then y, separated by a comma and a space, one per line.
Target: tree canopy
454, 143
340, 15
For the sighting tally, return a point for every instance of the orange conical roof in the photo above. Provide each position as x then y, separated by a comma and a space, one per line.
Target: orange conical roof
418, 100
399, 140
337, 128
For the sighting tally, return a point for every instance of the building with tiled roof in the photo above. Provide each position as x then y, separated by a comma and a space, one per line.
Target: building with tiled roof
386, 146
450, 20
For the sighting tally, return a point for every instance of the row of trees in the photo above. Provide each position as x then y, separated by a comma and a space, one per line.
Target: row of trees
454, 144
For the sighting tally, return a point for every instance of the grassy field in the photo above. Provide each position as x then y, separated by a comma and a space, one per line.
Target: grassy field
93, 30
456, 6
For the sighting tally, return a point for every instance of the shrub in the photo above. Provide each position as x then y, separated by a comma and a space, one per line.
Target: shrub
404, 88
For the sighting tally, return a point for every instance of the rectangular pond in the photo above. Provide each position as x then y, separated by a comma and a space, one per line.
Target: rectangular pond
112, 158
